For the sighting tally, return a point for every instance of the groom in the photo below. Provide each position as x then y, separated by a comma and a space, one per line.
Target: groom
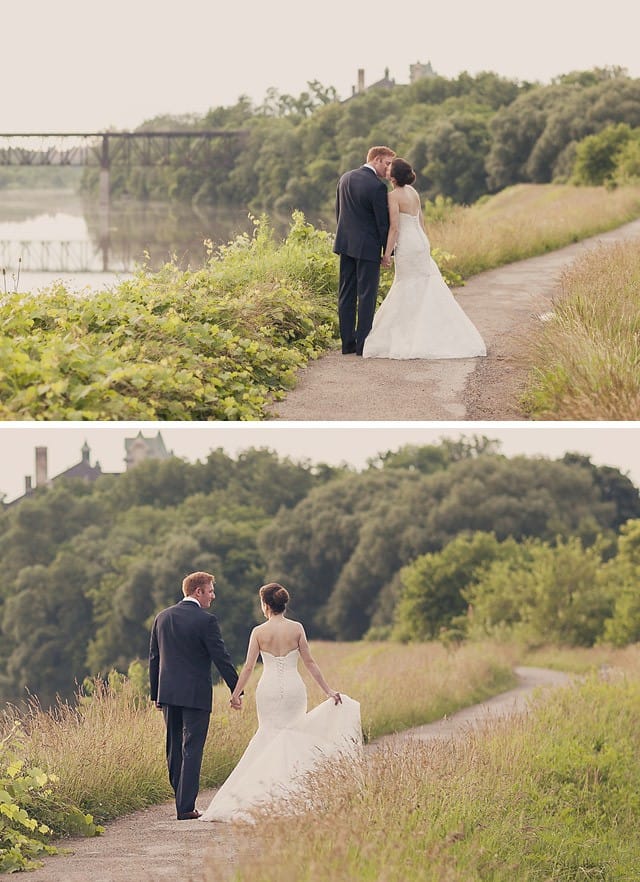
185, 640
362, 214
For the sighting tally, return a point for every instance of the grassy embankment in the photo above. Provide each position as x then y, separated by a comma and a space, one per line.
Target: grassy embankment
539, 798
527, 220
551, 796
586, 360
75, 766
108, 752
221, 342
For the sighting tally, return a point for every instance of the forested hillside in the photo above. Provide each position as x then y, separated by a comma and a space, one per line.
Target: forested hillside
86, 566
466, 137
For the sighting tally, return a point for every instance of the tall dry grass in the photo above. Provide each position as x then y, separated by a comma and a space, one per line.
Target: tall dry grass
108, 751
527, 220
402, 686
583, 660
550, 796
586, 360
101, 750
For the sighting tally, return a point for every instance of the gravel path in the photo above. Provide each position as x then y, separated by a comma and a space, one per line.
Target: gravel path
505, 304
151, 846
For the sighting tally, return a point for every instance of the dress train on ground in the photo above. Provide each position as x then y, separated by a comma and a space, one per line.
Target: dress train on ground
420, 317
289, 742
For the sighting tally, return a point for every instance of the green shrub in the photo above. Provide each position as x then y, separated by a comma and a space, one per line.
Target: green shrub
31, 809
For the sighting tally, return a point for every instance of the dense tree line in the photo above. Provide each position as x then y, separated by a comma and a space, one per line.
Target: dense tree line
86, 566
466, 137
536, 590
610, 157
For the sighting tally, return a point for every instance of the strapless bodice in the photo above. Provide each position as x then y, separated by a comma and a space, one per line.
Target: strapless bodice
281, 697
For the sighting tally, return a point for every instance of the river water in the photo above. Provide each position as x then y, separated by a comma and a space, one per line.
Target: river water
56, 235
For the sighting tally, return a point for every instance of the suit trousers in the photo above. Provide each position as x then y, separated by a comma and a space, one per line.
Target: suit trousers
357, 293
187, 729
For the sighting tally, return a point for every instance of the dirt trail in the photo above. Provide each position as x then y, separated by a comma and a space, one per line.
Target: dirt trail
505, 304
150, 845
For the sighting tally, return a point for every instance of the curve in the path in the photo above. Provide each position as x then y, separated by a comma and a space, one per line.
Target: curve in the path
499, 707
151, 846
505, 304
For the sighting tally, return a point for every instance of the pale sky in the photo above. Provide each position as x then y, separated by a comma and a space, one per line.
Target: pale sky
84, 66
607, 444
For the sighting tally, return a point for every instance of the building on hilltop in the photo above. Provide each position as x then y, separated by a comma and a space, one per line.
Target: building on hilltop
384, 83
137, 450
83, 470
417, 71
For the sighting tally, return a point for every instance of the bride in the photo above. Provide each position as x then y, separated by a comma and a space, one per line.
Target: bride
289, 741
419, 317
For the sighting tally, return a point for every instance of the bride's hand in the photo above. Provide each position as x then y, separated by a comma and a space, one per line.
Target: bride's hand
337, 698
236, 703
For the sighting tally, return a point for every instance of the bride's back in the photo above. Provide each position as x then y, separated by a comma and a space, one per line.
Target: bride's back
279, 636
408, 199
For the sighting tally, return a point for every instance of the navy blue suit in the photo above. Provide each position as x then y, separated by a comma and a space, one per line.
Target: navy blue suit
362, 214
185, 640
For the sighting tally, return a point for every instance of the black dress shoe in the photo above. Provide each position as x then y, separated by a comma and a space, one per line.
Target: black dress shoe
190, 816
348, 348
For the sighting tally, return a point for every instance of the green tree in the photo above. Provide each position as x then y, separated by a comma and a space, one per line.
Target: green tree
48, 621
307, 547
622, 575
628, 160
457, 147
433, 585
515, 129
597, 155
533, 137
428, 458
613, 487
542, 593
341, 548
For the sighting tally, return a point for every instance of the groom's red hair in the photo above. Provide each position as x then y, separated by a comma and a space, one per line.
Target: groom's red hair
374, 152
194, 581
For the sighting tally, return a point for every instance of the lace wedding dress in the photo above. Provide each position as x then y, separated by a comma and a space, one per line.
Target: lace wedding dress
419, 317
289, 742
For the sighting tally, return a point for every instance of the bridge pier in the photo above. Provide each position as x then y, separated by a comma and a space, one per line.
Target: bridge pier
104, 182
104, 201
103, 189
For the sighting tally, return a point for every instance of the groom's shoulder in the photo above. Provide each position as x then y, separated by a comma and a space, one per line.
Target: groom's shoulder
179, 608
362, 178
354, 172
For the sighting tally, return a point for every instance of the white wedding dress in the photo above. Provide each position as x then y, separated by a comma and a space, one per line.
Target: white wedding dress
289, 742
419, 317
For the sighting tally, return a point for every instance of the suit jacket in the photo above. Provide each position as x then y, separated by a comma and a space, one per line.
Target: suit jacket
362, 213
185, 640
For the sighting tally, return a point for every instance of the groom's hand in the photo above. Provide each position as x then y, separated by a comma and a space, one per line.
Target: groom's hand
236, 703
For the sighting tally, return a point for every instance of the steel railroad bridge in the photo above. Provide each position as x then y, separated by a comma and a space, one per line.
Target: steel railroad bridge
153, 148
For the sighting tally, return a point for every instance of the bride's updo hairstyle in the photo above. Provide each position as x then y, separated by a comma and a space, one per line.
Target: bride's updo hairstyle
402, 172
275, 596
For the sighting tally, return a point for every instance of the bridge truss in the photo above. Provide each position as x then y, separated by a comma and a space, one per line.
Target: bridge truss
106, 148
